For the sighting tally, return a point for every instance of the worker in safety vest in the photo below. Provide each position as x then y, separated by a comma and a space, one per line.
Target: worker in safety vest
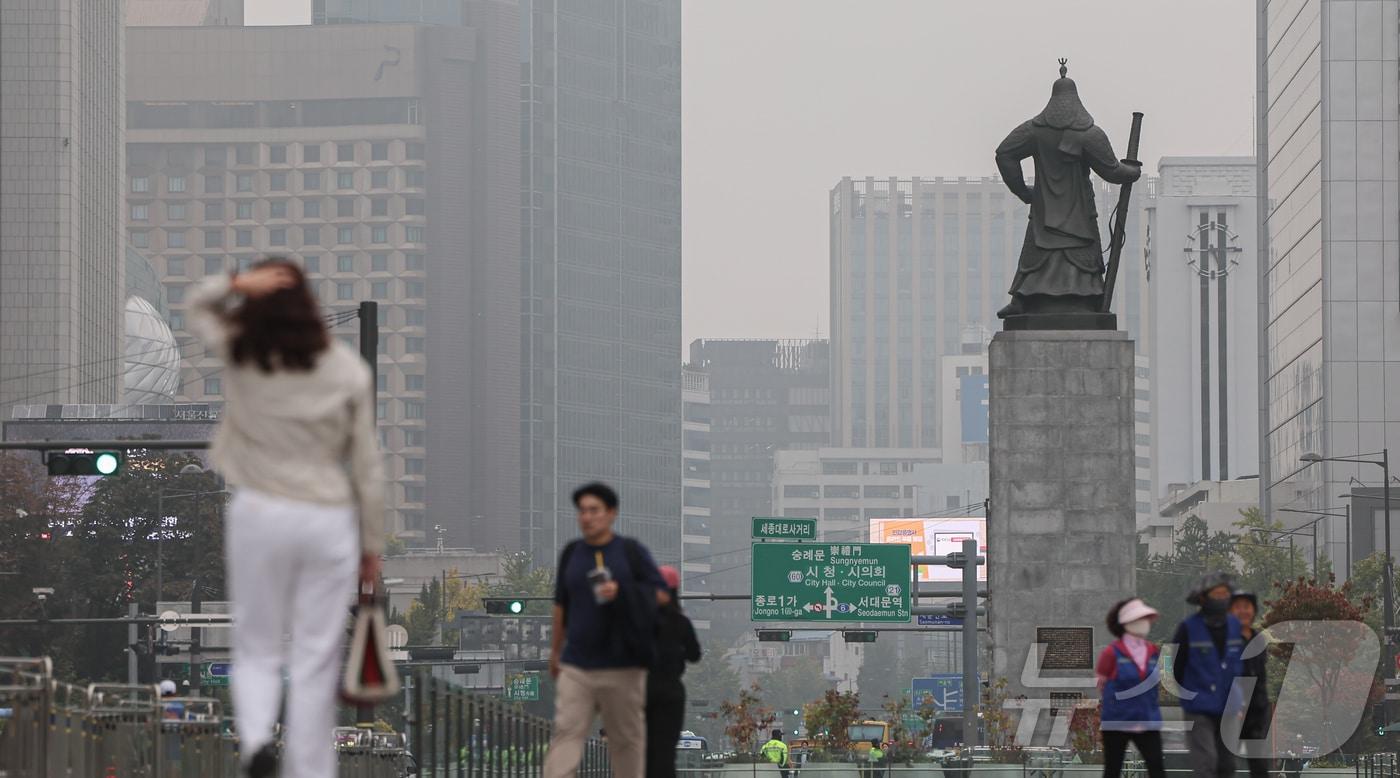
776, 751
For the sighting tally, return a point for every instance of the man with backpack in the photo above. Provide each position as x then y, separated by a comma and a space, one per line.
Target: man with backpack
606, 594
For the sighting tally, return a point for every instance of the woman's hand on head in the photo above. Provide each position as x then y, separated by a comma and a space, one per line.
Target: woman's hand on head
262, 281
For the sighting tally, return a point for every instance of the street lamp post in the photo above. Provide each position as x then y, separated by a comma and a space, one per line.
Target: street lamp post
1388, 571
1320, 514
161, 496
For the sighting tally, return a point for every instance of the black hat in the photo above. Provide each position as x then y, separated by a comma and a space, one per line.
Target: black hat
1242, 594
1207, 582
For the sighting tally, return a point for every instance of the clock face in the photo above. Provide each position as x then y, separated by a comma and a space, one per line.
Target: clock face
1211, 250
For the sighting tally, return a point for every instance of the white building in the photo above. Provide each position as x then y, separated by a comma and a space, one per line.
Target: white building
1217, 503
751, 660
696, 556
1205, 308
846, 487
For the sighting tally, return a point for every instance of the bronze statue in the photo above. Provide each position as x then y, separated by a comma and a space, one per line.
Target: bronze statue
1061, 270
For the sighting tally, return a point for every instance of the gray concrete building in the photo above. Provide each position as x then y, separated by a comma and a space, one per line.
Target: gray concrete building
696, 549
62, 255
766, 396
184, 13
913, 262
382, 158
1330, 294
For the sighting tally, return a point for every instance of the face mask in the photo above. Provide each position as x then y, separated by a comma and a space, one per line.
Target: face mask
1215, 608
1138, 628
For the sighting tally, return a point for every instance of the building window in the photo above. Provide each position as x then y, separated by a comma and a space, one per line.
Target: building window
414, 438
413, 382
177, 320
412, 493
215, 156
344, 152
245, 210
412, 466
379, 234
141, 239
379, 206
175, 184
413, 409
277, 182
381, 409
345, 290
310, 152
214, 239
345, 207
277, 237
140, 213
311, 209
413, 289
413, 234
379, 179
345, 263
213, 386
277, 209
416, 317
140, 184
414, 206
243, 154
175, 212
413, 150
417, 179
311, 181
413, 345
413, 261
214, 184
310, 236
345, 234
243, 238
277, 155
214, 211
311, 264
175, 240
213, 265
379, 290
379, 151
245, 182
175, 293
175, 266
244, 264
345, 179
379, 263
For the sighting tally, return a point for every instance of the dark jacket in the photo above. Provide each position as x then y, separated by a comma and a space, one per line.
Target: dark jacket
1256, 718
676, 644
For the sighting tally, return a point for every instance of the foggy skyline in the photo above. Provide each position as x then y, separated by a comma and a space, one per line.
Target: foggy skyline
784, 97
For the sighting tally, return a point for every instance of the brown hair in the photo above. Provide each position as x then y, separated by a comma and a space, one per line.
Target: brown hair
282, 330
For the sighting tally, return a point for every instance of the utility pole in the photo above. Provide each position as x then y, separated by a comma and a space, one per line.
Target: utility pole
972, 685
369, 343
131, 641
196, 601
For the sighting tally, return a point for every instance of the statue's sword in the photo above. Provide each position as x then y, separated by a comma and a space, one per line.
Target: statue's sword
1120, 219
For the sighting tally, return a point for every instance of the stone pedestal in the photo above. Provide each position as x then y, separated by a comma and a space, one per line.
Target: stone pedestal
1061, 528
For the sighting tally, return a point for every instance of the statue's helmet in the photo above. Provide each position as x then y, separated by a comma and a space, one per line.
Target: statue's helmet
1064, 111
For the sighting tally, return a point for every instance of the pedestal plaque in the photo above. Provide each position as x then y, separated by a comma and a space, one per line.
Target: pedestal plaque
1066, 648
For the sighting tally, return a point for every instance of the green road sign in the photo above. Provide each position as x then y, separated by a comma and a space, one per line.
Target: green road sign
214, 674
523, 687
784, 529
836, 582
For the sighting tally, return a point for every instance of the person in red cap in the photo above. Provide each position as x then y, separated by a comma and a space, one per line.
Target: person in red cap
675, 645
1128, 681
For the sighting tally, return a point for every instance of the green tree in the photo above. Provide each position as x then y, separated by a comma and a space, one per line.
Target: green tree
745, 718
1264, 555
829, 719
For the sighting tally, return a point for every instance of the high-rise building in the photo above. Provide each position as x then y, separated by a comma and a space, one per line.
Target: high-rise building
62, 255
765, 396
696, 554
184, 13
1330, 293
1205, 315
601, 123
383, 159
913, 262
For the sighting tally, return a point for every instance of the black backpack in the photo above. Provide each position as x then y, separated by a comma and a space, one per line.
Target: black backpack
636, 613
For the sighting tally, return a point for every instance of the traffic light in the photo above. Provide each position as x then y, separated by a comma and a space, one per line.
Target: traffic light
860, 636
84, 463
774, 635
1378, 719
504, 606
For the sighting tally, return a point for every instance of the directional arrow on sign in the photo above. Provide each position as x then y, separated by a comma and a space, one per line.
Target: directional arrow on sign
831, 602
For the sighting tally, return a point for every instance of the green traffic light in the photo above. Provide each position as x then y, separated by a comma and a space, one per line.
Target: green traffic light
516, 606
107, 463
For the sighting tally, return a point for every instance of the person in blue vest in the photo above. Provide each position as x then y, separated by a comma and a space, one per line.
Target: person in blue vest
1128, 681
1208, 647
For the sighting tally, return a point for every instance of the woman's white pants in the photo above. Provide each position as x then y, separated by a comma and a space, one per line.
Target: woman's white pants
291, 574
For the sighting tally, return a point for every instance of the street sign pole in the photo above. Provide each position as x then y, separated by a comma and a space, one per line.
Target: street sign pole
972, 688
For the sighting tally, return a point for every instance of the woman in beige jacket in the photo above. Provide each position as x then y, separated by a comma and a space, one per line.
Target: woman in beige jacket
298, 443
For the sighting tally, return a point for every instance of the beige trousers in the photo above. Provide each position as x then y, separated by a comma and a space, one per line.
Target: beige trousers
620, 696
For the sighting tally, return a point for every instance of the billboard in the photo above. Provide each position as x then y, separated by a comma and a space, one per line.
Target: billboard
973, 394
933, 537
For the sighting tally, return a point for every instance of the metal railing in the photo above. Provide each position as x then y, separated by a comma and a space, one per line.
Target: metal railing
1377, 766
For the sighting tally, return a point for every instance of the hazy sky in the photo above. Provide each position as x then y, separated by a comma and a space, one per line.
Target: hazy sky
784, 97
